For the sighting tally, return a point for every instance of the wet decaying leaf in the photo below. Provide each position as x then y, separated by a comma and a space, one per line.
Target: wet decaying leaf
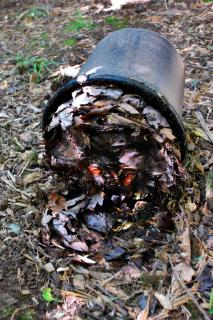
120, 159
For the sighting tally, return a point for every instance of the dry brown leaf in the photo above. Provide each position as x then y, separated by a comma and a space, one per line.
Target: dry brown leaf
129, 273
79, 246
100, 276
32, 177
79, 282
184, 268
102, 103
126, 225
26, 136
164, 301
116, 291
186, 271
185, 246
190, 207
56, 203
198, 166
167, 133
127, 108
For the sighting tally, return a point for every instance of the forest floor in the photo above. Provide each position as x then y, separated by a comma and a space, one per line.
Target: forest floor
164, 275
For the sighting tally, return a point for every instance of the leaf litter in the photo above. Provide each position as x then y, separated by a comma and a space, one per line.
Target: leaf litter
90, 141
148, 246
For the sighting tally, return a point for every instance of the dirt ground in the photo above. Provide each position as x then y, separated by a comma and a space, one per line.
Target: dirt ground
169, 276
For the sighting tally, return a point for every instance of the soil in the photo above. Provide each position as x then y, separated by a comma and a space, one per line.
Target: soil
38, 39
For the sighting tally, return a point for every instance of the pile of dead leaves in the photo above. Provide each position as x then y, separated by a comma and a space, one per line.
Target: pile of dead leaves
123, 170
120, 159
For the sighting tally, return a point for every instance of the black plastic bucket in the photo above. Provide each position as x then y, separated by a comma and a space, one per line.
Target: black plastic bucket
139, 61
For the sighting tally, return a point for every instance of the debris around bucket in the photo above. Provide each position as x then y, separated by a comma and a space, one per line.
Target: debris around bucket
119, 156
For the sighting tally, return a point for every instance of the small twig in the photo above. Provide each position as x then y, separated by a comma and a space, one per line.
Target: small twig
111, 278
77, 293
20, 309
204, 126
23, 169
105, 292
20, 17
12, 187
182, 284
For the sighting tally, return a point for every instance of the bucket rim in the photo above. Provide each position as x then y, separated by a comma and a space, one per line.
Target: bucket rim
151, 95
